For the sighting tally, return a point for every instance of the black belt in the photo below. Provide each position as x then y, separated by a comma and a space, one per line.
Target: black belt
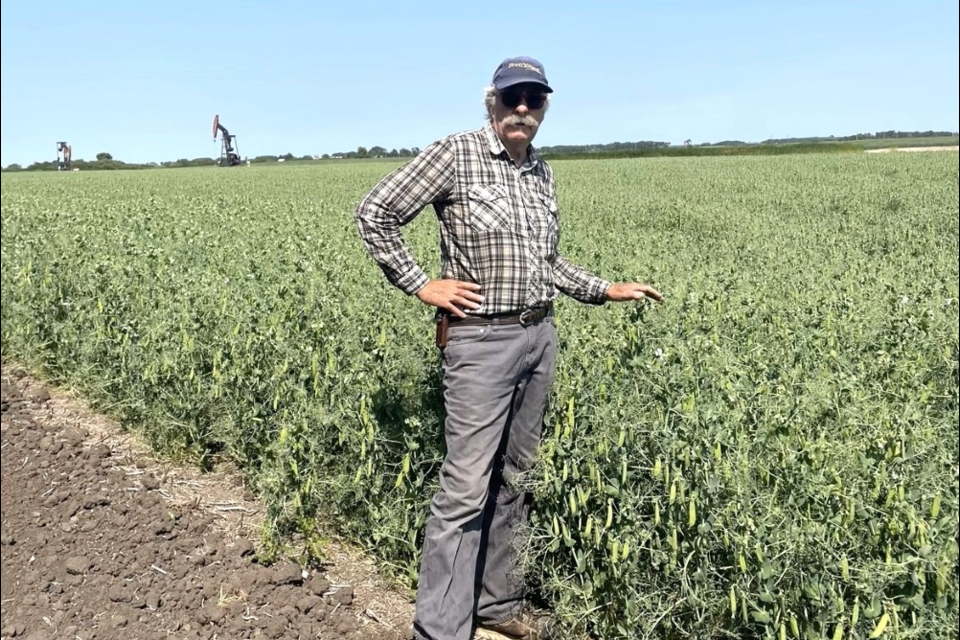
525, 318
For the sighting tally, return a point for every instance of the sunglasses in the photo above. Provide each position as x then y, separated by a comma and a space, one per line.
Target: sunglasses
511, 99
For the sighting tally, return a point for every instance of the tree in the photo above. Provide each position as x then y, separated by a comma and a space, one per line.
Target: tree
103, 155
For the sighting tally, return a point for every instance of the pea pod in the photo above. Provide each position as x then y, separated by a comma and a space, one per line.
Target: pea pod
838, 632
881, 626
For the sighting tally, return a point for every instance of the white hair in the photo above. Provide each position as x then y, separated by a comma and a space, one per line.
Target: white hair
490, 100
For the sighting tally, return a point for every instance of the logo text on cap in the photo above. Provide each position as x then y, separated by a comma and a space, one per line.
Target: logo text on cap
524, 65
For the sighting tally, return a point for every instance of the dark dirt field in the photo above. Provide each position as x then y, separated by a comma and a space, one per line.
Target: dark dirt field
101, 542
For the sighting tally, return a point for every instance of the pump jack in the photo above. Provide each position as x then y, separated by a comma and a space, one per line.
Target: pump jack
229, 156
63, 161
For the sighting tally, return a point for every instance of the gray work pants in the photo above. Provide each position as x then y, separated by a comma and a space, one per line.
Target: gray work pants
496, 382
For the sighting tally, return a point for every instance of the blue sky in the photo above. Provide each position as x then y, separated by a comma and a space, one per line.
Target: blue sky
143, 81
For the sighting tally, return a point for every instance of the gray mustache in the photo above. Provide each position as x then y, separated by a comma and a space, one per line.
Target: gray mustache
530, 121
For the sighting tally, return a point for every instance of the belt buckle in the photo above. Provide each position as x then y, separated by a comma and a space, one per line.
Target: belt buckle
527, 317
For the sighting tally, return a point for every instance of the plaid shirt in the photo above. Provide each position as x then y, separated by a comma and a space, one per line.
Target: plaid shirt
499, 226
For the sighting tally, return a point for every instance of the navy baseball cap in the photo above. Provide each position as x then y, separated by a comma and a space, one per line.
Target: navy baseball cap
518, 70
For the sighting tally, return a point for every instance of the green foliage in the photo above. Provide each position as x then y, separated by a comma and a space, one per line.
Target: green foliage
772, 450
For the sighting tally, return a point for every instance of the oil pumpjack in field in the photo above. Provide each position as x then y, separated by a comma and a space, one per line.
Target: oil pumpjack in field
229, 156
64, 156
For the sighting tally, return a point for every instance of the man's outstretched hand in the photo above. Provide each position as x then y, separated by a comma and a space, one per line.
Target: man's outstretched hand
452, 295
627, 291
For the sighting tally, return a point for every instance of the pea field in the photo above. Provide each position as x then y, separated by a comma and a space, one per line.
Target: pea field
771, 452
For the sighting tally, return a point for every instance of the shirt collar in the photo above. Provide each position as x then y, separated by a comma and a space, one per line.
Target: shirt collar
497, 148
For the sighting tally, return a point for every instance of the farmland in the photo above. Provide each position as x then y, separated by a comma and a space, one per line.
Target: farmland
773, 449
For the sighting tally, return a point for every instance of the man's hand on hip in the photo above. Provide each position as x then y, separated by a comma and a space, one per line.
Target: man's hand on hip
626, 291
451, 295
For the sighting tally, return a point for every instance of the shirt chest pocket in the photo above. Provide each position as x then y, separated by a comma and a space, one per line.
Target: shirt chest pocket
490, 208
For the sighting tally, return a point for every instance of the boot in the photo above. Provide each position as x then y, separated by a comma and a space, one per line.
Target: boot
526, 626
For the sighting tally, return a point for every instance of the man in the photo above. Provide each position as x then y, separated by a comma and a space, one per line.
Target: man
496, 202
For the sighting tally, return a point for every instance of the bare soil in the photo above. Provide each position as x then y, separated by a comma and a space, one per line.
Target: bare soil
101, 542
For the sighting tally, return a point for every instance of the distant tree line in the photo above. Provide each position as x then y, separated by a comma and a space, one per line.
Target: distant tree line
650, 144
879, 135
104, 161
374, 152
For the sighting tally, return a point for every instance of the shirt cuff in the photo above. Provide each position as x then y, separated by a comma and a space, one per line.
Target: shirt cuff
597, 290
413, 281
